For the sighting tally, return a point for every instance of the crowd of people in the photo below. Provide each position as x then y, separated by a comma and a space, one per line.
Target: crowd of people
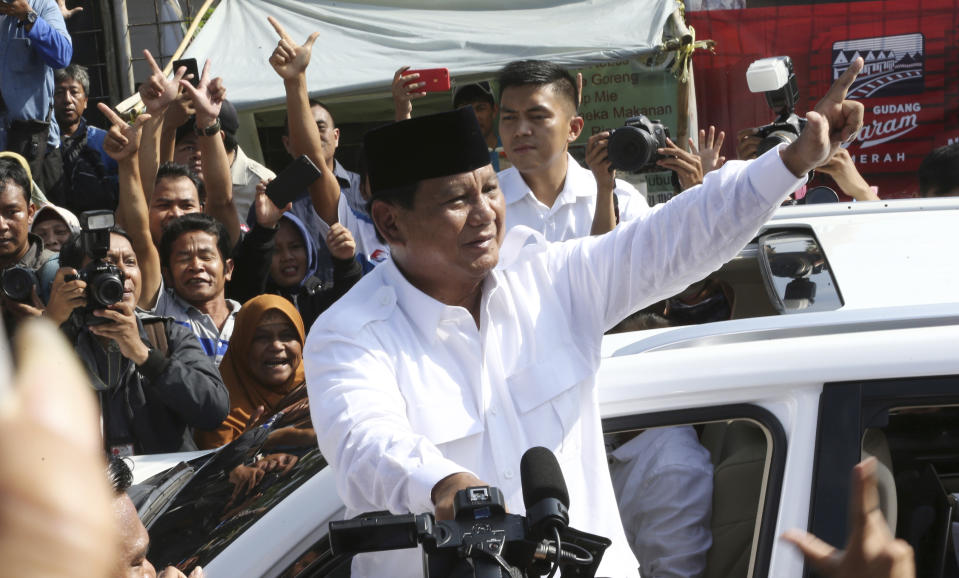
408, 318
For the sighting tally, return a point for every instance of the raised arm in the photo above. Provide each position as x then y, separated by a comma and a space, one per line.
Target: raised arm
405, 90
156, 93
207, 98
604, 217
121, 144
290, 62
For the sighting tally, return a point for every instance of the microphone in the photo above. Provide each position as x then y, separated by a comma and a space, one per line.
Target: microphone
544, 493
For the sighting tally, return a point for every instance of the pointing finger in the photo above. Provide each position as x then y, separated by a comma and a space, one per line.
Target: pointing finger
277, 26
153, 63
839, 89
111, 116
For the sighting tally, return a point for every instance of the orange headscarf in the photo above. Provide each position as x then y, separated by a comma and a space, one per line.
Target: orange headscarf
245, 392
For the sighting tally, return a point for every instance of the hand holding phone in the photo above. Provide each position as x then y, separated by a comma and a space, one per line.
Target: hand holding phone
191, 68
434, 79
292, 182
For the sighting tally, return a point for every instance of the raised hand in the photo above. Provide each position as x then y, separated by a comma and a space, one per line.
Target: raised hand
404, 90
871, 550
834, 121
709, 148
686, 165
68, 12
267, 214
159, 91
340, 242
207, 97
597, 160
290, 60
123, 139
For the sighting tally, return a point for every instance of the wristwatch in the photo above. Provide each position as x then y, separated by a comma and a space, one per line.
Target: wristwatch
30, 19
208, 131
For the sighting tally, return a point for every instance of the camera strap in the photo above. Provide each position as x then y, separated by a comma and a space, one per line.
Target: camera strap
156, 334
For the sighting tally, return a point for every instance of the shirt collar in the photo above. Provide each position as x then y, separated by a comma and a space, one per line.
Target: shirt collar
234, 306
425, 312
579, 182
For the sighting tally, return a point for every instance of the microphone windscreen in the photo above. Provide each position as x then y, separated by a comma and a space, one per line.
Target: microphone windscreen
542, 477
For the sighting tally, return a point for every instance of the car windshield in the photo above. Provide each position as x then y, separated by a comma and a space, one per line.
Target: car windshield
196, 509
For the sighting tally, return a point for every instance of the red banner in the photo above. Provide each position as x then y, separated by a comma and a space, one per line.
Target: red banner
910, 86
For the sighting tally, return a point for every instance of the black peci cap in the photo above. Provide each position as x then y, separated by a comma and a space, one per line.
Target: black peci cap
438, 145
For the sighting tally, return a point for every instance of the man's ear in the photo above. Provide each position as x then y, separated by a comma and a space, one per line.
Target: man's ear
286, 144
385, 218
228, 269
576, 125
336, 137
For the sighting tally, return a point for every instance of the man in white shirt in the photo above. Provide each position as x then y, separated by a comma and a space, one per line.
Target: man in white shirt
439, 369
546, 189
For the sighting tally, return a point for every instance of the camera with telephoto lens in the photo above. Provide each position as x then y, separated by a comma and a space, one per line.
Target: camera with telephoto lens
17, 283
635, 145
775, 78
104, 280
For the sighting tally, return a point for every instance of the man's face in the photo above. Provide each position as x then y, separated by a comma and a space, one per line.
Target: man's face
122, 256
134, 542
53, 231
452, 234
15, 215
536, 125
289, 263
197, 269
485, 114
69, 102
329, 134
187, 153
172, 198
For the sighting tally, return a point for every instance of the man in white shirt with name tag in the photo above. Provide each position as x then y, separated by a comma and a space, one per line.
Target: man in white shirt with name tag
439, 369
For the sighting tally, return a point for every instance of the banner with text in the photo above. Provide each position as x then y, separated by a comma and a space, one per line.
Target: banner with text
910, 85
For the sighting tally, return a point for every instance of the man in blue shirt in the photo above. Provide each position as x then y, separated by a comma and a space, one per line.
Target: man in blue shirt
89, 179
33, 43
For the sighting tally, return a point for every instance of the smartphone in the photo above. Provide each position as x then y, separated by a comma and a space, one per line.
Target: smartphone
292, 182
191, 68
436, 79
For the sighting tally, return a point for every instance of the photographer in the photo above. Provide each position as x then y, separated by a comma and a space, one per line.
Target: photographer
154, 382
27, 268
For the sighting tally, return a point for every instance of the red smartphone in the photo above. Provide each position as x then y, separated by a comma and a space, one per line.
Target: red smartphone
436, 79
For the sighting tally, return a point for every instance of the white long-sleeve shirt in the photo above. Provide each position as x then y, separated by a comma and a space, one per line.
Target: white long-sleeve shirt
405, 390
571, 215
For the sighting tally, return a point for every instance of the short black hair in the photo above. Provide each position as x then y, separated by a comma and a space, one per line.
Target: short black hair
939, 172
471, 93
189, 223
229, 141
313, 102
71, 252
171, 170
76, 72
11, 170
538, 73
120, 475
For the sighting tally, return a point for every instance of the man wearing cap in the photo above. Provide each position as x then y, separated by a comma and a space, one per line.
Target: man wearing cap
546, 189
439, 369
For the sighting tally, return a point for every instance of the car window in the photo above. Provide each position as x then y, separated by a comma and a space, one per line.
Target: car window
911, 427
784, 271
694, 497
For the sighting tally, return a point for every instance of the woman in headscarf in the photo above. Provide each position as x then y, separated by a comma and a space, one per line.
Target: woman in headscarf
263, 371
54, 225
293, 270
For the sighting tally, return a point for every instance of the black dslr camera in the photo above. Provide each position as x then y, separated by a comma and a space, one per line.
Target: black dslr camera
104, 280
775, 78
17, 283
635, 146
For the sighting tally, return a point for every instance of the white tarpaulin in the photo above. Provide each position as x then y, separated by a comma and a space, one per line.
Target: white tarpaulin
361, 44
